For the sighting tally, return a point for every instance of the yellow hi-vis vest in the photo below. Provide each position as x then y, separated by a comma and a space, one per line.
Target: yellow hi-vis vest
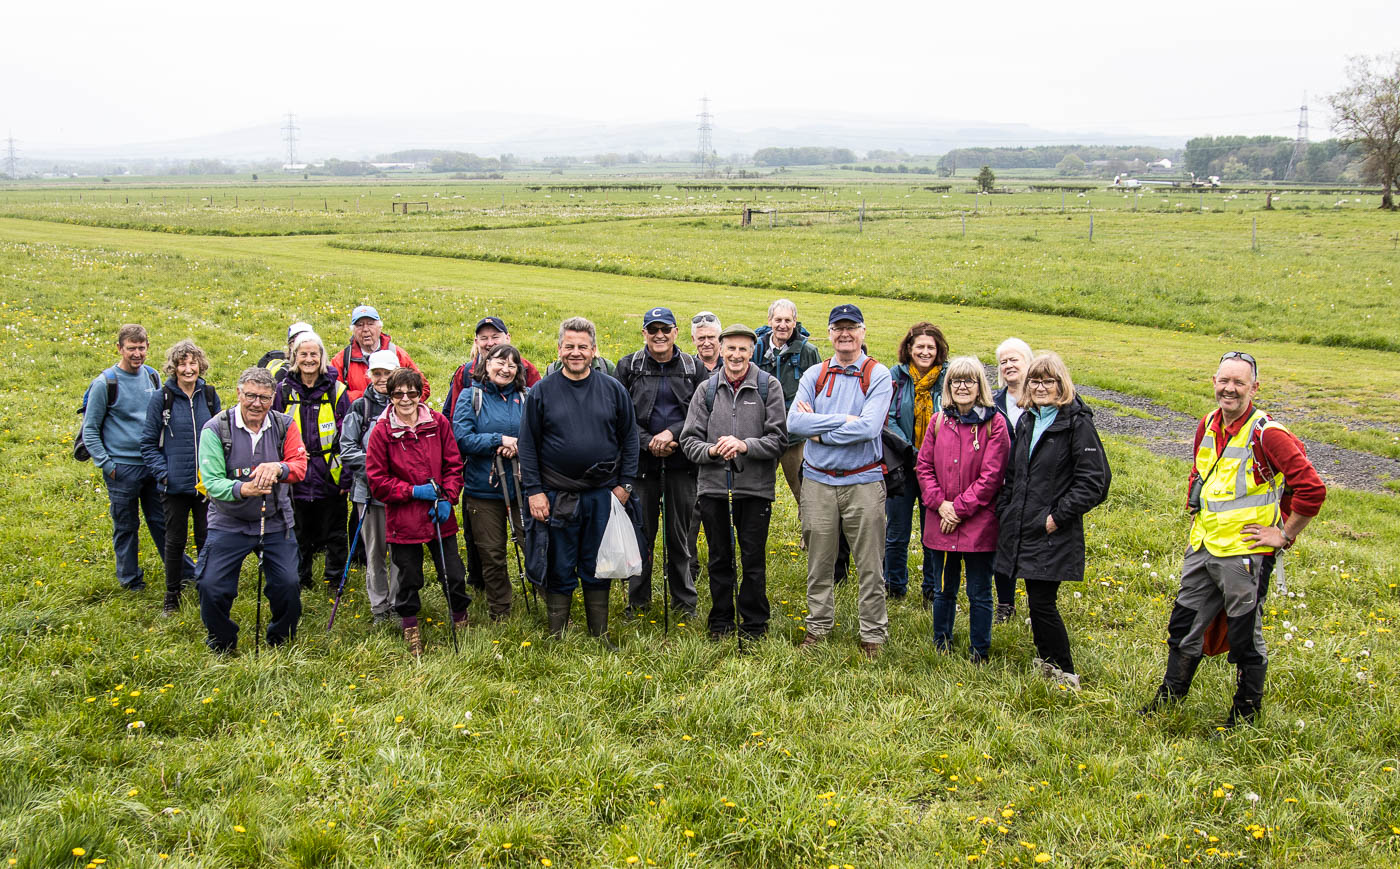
325, 444
1230, 499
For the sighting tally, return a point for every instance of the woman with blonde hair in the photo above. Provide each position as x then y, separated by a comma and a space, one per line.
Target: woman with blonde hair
1013, 356
1058, 472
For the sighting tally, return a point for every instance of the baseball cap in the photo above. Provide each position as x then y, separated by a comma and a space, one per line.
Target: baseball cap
364, 311
846, 312
494, 322
658, 315
386, 359
738, 330
296, 329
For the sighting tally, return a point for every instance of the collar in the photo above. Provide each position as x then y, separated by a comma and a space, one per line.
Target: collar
1234, 428
423, 416
238, 420
853, 368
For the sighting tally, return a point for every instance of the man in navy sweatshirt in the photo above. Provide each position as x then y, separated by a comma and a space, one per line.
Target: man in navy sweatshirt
578, 449
112, 434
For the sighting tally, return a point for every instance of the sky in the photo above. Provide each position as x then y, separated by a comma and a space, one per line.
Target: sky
87, 73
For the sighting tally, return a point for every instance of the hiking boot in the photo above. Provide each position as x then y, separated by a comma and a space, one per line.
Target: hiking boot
414, 638
1067, 680
810, 641
1175, 683
459, 620
1005, 612
557, 606
1046, 669
595, 609
1249, 694
171, 605
378, 619
870, 650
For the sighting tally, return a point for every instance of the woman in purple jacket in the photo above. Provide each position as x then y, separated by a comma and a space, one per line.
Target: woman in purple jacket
960, 469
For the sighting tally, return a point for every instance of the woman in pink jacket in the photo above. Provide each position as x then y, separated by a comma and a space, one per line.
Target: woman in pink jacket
960, 468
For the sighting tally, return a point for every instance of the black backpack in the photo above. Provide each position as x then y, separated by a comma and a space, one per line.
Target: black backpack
80, 450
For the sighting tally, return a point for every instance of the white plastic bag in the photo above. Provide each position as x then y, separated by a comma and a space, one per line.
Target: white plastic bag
618, 554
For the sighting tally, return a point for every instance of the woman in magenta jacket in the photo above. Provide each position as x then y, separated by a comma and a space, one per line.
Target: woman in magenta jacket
960, 469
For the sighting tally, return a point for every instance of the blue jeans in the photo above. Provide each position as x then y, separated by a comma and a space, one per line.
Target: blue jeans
131, 494
899, 526
978, 566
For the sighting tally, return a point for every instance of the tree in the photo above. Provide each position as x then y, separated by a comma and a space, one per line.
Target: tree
1072, 164
1367, 112
985, 179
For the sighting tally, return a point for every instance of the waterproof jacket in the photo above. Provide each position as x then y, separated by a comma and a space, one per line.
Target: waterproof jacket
479, 435
355, 430
353, 365
902, 404
787, 364
761, 424
1066, 476
642, 376
466, 376
400, 457
318, 483
964, 463
173, 460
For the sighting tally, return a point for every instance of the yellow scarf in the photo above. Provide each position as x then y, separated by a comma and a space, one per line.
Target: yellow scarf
923, 401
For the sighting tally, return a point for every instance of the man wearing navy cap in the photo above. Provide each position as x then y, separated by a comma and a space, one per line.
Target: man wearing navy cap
661, 380
366, 336
490, 331
840, 408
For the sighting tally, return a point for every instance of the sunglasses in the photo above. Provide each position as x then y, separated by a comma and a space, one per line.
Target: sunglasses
659, 329
704, 317
404, 394
1238, 354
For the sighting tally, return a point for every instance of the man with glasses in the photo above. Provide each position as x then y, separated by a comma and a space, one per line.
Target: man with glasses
1252, 491
248, 457
704, 335
840, 408
661, 380
366, 336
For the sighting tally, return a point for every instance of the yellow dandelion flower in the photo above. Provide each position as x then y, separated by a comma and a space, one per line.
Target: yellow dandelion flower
133, 792
524, 644
545, 861
1008, 813
690, 834
686, 738
1042, 857
239, 828
831, 822
1218, 793
633, 859
78, 852
506, 845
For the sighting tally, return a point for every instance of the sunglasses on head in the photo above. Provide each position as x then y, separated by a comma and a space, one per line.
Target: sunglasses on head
1239, 354
704, 317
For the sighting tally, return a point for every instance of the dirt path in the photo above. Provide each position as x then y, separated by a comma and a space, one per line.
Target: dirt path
1173, 433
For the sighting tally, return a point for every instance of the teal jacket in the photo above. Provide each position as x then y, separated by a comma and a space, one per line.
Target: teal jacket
787, 364
901, 417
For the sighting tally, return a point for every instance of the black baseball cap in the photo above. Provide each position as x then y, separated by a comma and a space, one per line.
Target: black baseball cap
494, 322
846, 312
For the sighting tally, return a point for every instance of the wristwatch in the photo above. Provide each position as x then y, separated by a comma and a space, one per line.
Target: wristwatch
1287, 541
627, 487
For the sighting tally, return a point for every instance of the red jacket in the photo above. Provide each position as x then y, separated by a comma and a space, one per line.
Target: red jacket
949, 468
353, 364
1304, 490
400, 457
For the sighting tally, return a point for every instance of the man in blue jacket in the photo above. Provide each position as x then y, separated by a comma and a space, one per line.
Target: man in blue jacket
112, 435
840, 408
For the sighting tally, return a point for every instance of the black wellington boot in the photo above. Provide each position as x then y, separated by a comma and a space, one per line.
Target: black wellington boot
1175, 683
1249, 694
558, 607
595, 607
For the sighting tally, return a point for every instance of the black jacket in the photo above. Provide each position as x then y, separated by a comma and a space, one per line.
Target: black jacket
1066, 477
642, 377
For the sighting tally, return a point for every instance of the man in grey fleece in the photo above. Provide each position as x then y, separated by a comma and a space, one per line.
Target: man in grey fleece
735, 430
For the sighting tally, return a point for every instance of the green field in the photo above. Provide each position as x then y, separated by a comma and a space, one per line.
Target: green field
339, 751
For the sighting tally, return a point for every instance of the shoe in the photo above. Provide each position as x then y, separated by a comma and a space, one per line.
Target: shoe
1067, 680
459, 620
870, 650
595, 609
414, 638
892, 594
1047, 670
171, 605
138, 585
810, 641
378, 619
557, 605
633, 613
500, 617
1249, 694
978, 660
1005, 612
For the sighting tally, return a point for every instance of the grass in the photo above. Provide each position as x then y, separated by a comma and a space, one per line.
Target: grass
339, 751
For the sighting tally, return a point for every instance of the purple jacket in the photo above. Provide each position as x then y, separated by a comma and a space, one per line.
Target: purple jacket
965, 464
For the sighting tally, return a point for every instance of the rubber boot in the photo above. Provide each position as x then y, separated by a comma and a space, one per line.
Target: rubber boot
1249, 694
595, 607
558, 607
1175, 684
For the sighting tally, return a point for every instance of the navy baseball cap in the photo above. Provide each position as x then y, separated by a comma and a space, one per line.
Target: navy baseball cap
362, 312
846, 312
494, 322
658, 315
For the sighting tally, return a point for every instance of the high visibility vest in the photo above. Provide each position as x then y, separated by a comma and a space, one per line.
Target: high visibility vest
325, 443
1230, 498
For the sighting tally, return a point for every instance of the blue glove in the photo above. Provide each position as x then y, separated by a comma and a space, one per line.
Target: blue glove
425, 492
441, 511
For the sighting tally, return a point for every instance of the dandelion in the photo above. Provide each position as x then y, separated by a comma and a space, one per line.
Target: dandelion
398, 719
690, 834
545, 861
133, 792
524, 644
506, 845
633, 859
78, 852
136, 725
1042, 857
239, 828
831, 822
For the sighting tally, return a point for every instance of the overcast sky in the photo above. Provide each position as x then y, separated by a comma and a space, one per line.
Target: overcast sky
101, 73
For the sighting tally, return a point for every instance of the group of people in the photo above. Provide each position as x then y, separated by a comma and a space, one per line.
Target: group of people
1002, 480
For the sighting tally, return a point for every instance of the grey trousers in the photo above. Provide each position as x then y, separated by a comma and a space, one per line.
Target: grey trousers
381, 574
858, 511
1210, 583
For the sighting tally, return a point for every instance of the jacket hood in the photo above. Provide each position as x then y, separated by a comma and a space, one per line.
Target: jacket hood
976, 416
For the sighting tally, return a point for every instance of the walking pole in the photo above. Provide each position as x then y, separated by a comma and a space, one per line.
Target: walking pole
522, 513
442, 560
510, 521
665, 561
346, 573
734, 560
262, 531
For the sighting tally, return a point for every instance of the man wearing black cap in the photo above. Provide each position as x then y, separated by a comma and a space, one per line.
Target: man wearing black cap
840, 407
490, 331
661, 380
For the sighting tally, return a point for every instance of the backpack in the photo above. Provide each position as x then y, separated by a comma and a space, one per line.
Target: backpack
712, 386
169, 402
223, 427
80, 450
637, 368
898, 462
599, 363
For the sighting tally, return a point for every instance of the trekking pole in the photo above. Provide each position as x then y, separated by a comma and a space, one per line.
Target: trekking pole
262, 531
734, 560
510, 521
665, 562
345, 574
522, 513
442, 561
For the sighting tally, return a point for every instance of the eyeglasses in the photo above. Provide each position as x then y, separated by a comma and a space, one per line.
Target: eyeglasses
964, 384
1239, 354
256, 398
404, 394
659, 329
704, 317
846, 329
1042, 384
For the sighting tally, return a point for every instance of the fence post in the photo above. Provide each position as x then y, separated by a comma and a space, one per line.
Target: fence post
1091, 227
1062, 202
1254, 233
862, 214
964, 223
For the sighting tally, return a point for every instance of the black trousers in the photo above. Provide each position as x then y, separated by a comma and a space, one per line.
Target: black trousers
321, 528
680, 505
1006, 589
408, 558
751, 517
1047, 628
179, 510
